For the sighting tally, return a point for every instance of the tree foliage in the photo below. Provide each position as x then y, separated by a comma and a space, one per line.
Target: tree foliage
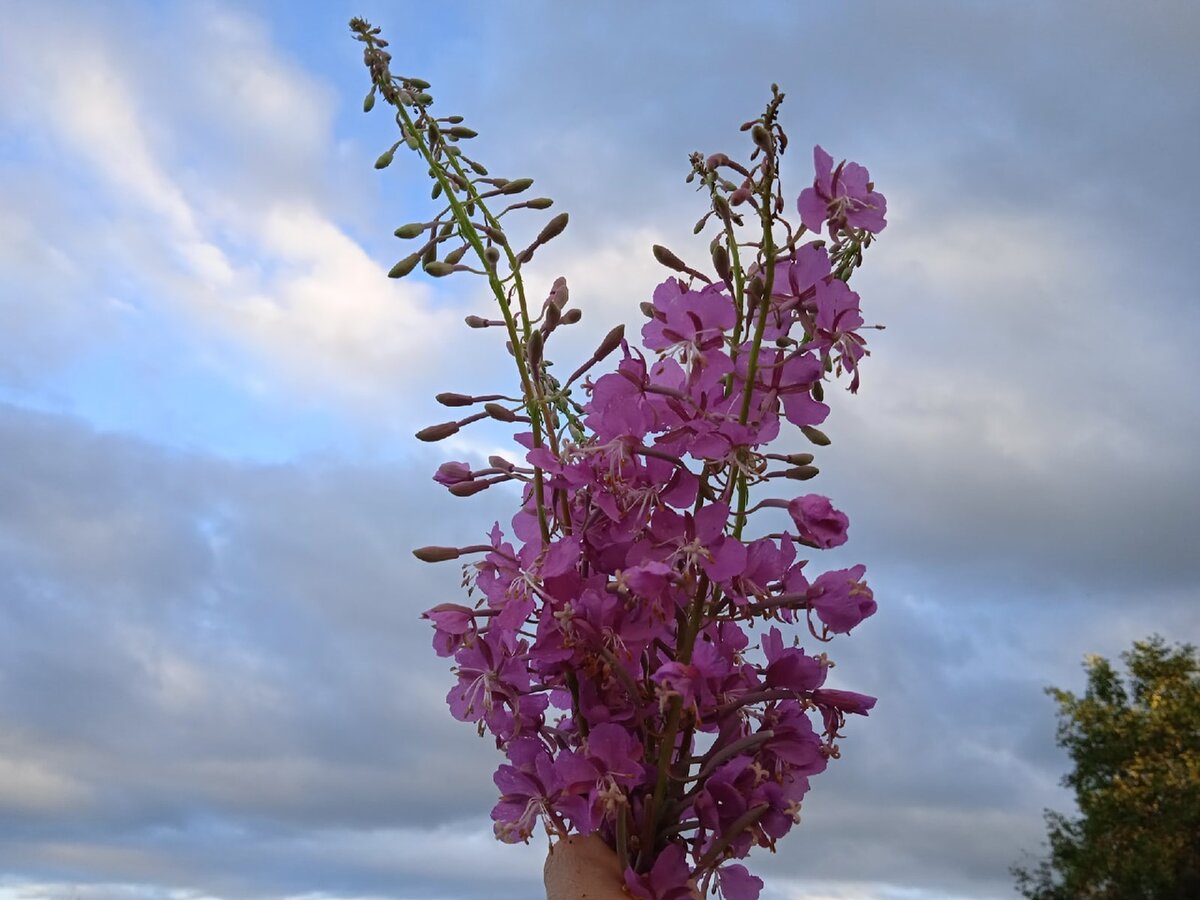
1134, 742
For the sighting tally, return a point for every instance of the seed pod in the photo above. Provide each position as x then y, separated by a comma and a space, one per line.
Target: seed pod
411, 230
553, 228
436, 554
406, 265
451, 399
817, 437
516, 185
499, 413
802, 473
668, 259
437, 432
611, 342
438, 269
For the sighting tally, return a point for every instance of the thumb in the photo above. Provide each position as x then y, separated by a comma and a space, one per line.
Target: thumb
583, 868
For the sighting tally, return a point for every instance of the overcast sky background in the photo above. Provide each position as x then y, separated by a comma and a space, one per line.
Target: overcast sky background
213, 683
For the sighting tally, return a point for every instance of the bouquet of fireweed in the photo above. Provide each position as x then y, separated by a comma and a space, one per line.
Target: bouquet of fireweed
608, 651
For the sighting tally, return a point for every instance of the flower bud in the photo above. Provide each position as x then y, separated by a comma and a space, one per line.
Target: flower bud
369, 101
449, 399
476, 322
420, 84
499, 462
500, 413
462, 131
492, 255
467, 488
436, 554
454, 256
817, 437
516, 185
534, 349
799, 459
539, 203
553, 228
437, 432
611, 342
762, 138
411, 230
385, 158
818, 391
740, 196
720, 258
571, 316
668, 259
647, 309
802, 473
406, 265
439, 269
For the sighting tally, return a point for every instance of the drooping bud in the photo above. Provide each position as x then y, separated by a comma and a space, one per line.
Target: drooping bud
437, 432
369, 101
668, 259
553, 315
406, 265
816, 436
450, 399
436, 554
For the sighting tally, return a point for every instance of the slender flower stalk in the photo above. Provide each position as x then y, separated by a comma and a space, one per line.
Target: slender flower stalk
607, 653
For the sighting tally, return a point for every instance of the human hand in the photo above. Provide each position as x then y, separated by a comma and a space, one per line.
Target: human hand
584, 868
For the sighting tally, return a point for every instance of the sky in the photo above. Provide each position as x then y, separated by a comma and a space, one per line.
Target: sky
213, 679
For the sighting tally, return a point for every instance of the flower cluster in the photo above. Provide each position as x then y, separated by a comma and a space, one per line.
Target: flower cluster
610, 651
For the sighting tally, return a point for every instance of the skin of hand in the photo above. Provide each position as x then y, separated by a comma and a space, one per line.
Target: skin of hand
583, 868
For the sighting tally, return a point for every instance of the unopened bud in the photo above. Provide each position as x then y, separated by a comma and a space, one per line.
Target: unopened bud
802, 473
816, 436
495, 234
647, 309
449, 399
611, 342
420, 84
799, 459
717, 159
720, 258
411, 230
571, 316
534, 349
439, 269
492, 255
499, 462
476, 322
462, 131
668, 259
539, 203
553, 315
517, 185
385, 159
369, 101
818, 391
500, 413
762, 138
553, 228
740, 196
467, 488
454, 256
406, 265
437, 432
436, 554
